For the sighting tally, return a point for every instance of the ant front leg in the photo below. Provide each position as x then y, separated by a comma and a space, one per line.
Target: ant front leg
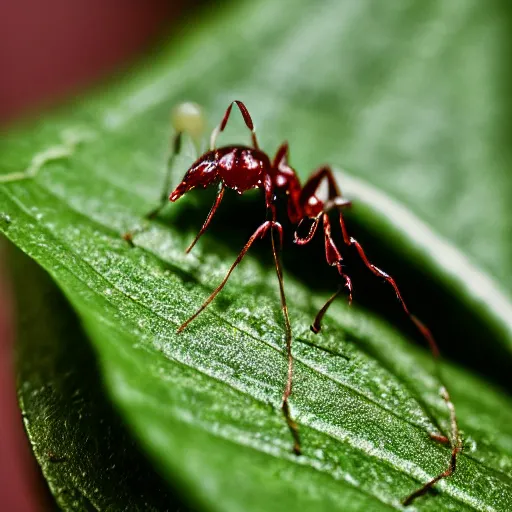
186, 118
216, 204
259, 233
285, 406
224, 122
164, 197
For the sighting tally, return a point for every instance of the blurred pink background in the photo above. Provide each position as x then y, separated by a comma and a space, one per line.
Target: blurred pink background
50, 50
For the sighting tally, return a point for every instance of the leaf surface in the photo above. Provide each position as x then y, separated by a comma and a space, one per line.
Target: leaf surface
372, 88
82, 446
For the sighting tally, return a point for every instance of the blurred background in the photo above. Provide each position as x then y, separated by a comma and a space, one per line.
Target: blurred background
51, 51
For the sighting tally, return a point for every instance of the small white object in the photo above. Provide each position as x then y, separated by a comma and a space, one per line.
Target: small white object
188, 118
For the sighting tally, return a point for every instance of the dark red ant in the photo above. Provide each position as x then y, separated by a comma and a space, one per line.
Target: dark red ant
242, 168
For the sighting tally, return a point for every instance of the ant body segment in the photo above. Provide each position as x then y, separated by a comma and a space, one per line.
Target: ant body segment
242, 168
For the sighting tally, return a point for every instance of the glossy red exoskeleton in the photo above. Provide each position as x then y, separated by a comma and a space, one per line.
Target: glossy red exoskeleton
242, 168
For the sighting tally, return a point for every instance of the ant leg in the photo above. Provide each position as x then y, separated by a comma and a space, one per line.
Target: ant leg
164, 197
334, 197
313, 182
456, 449
220, 195
350, 241
309, 190
455, 437
303, 240
281, 155
333, 258
186, 118
439, 438
222, 125
316, 326
285, 407
259, 233
445, 474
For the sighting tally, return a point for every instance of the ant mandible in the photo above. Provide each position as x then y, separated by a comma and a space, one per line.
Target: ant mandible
242, 168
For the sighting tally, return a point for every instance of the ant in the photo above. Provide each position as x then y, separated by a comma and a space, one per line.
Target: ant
242, 168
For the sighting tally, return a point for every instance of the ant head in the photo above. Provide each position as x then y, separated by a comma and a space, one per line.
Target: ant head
202, 173
187, 118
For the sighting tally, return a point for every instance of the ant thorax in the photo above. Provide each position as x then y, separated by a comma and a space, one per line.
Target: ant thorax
241, 168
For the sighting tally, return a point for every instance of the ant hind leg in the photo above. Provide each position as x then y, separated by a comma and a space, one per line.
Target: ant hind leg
334, 258
316, 326
454, 439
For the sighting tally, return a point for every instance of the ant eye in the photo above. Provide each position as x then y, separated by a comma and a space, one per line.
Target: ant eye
188, 118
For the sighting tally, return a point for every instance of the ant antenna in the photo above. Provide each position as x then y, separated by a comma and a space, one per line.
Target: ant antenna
247, 120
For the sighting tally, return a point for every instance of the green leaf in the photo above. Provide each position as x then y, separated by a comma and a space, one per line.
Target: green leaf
80, 443
377, 89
